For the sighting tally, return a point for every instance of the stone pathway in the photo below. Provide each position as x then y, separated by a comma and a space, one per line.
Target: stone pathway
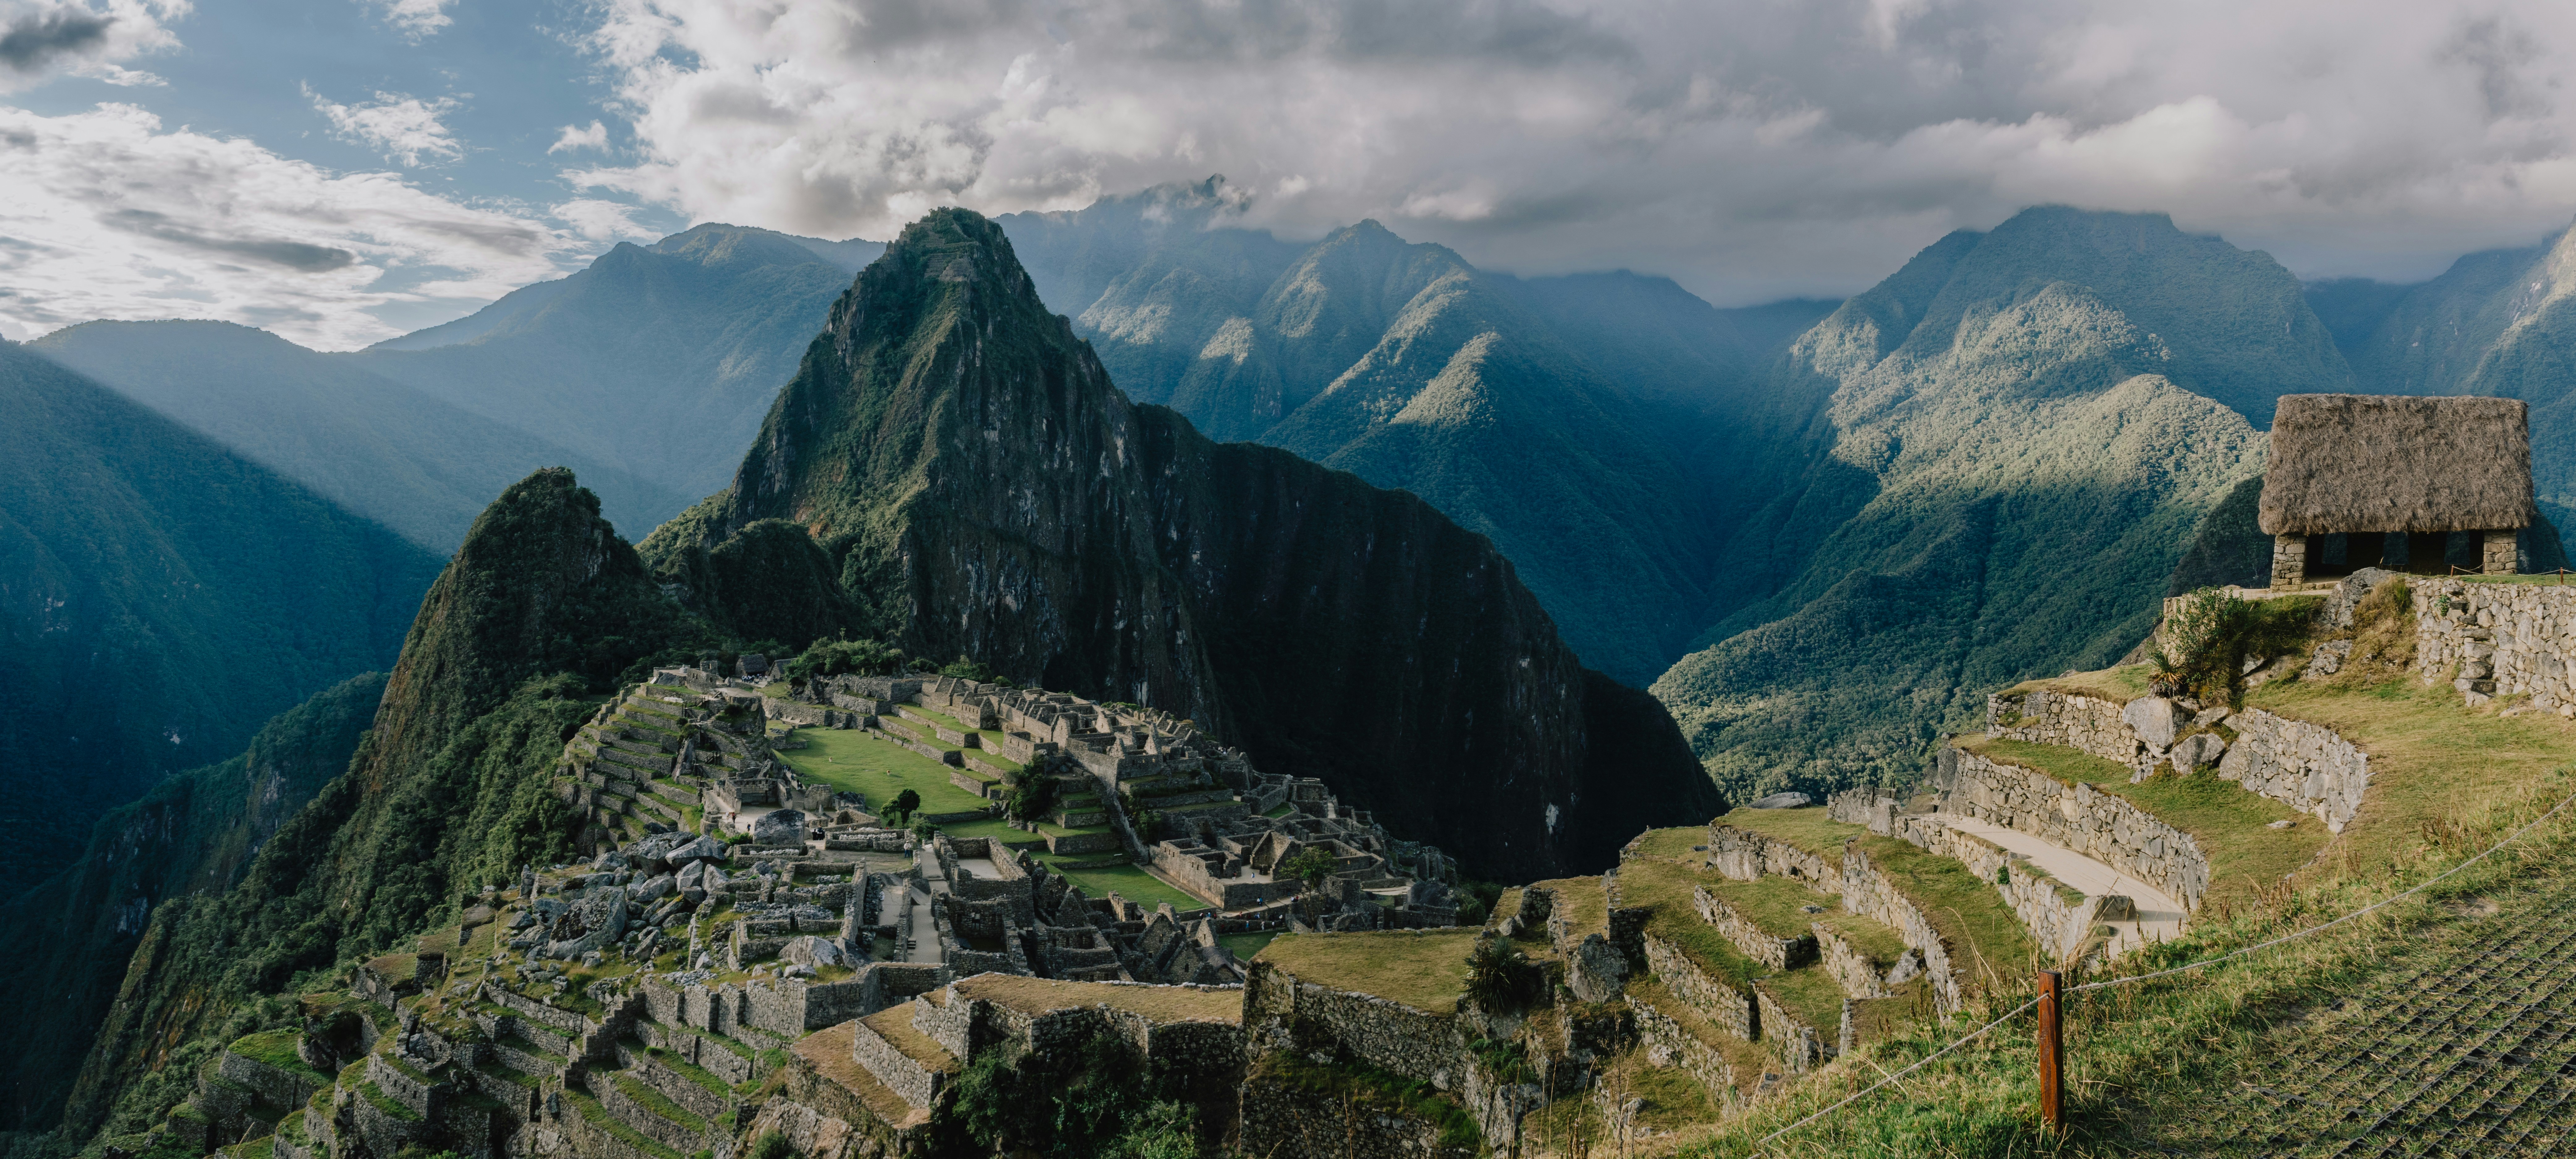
2160, 915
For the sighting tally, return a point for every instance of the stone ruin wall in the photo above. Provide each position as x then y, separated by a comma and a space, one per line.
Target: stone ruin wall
1729, 1009
1667, 1043
2305, 766
2083, 723
2058, 922
1776, 952
1388, 1035
2102, 826
1802, 1047
1746, 856
2499, 640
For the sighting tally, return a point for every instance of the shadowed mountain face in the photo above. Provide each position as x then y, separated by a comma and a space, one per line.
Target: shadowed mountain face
159, 598
382, 449
980, 487
1995, 459
656, 360
1554, 415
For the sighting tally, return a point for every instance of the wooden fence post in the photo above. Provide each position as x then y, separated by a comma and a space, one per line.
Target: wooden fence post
2052, 1055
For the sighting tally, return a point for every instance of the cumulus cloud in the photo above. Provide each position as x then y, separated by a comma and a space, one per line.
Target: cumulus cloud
602, 221
577, 137
404, 128
1748, 147
104, 214
417, 20
41, 38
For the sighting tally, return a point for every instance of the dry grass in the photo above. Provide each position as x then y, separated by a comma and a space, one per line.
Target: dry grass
894, 1024
1162, 1004
2117, 685
828, 1053
2353, 462
1426, 970
1669, 843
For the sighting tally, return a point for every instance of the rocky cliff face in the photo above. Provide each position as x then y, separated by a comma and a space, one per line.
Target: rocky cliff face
983, 489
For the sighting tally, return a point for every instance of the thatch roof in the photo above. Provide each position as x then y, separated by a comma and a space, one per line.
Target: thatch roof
2362, 462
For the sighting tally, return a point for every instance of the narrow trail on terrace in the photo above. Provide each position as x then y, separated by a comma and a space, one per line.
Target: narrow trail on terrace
2463, 1044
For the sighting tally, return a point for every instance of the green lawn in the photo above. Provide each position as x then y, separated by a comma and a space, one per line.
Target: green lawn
1130, 882
854, 762
1246, 945
1423, 969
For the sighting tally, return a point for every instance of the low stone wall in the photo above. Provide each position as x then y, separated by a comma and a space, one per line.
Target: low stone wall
918, 1084
277, 1086
2059, 917
1771, 950
2302, 765
2499, 639
2099, 825
643, 1119
1866, 1020
1802, 1047
1389, 1035
2083, 723
1860, 977
1870, 893
1729, 1009
1284, 1119
1748, 856
1668, 1044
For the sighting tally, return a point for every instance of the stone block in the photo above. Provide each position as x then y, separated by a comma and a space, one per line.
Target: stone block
2154, 719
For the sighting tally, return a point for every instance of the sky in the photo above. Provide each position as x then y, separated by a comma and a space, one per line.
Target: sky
342, 171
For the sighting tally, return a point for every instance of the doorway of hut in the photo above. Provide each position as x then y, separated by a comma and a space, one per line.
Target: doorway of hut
2417, 552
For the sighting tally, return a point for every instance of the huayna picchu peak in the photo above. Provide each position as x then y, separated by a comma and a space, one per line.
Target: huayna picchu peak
967, 470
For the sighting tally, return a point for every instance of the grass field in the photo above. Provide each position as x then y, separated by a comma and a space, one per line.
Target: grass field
1425, 970
854, 762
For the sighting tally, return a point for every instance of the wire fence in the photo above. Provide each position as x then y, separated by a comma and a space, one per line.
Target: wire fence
2190, 967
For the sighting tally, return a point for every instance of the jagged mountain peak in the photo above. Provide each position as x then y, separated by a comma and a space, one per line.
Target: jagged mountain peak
963, 464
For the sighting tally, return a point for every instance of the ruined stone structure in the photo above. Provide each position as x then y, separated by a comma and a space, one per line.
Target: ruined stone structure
2365, 467
2493, 640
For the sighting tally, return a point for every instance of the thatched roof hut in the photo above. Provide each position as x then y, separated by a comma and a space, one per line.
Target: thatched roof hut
2345, 463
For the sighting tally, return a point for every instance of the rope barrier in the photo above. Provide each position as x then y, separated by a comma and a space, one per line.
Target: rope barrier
1979, 1032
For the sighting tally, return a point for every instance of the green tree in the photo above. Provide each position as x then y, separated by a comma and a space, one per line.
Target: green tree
965, 669
1034, 797
1310, 865
846, 658
904, 805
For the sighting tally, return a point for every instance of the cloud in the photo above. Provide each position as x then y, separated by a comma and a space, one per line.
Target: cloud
597, 220
404, 128
1749, 147
40, 38
576, 137
417, 20
103, 214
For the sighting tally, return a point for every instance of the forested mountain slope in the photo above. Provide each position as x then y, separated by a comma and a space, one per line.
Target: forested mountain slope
160, 597
375, 446
1995, 459
1555, 415
193, 833
977, 485
657, 360
2501, 322
541, 605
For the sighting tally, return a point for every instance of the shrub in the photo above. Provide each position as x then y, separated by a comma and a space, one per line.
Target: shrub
904, 805
2203, 649
1503, 980
1032, 798
771, 1146
846, 657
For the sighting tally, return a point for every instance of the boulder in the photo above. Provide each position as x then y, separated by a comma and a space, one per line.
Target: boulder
654, 889
2155, 720
812, 951
700, 849
2199, 750
1595, 971
1783, 801
779, 828
691, 876
2339, 604
2328, 659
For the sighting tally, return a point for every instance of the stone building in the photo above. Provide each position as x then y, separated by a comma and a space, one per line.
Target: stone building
2380, 477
